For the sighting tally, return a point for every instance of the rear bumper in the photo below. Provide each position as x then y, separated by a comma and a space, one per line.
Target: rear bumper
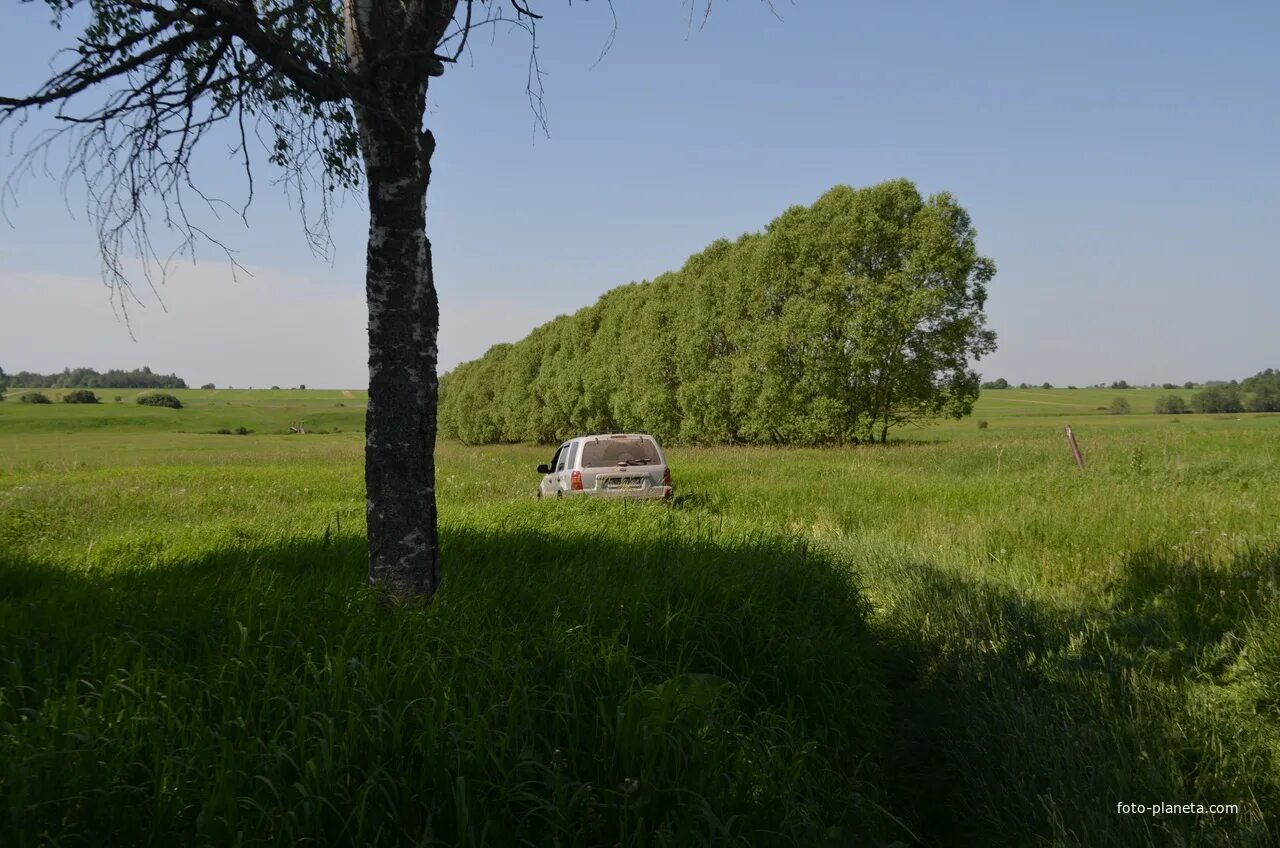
653, 493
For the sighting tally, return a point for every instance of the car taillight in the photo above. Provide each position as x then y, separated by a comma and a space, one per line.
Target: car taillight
575, 481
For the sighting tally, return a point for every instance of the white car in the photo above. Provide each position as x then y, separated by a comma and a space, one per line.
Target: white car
624, 465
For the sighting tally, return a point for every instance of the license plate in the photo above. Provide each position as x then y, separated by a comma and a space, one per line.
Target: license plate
622, 484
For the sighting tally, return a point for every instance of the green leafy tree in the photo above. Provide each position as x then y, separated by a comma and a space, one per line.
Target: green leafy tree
1000, 383
1171, 405
839, 322
1262, 391
1119, 406
1218, 399
80, 396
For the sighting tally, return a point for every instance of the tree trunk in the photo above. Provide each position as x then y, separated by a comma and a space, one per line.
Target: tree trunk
404, 318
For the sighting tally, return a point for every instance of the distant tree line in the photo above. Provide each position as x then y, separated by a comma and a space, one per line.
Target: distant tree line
87, 378
1002, 383
839, 322
1259, 393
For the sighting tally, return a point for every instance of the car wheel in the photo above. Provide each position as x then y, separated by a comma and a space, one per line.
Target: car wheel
559, 494
539, 494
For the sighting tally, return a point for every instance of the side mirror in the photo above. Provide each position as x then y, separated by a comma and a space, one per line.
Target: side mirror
544, 469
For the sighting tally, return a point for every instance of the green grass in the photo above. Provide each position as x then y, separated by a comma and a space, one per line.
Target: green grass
954, 639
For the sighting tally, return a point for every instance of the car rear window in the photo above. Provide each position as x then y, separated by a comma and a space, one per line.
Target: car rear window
634, 450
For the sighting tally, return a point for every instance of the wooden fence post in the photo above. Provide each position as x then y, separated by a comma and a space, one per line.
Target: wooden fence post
1075, 449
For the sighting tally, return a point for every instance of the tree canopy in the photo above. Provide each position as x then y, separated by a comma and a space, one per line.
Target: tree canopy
1262, 391
837, 323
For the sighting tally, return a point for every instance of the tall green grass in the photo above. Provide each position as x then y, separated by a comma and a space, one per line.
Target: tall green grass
595, 674
957, 639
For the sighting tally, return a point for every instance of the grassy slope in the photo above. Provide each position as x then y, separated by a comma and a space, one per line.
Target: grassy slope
1044, 643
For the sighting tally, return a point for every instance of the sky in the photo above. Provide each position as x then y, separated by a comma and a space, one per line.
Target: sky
1118, 160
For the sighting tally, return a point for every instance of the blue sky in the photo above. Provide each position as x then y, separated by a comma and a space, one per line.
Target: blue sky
1119, 161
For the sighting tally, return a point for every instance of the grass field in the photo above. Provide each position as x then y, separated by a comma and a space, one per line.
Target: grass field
957, 638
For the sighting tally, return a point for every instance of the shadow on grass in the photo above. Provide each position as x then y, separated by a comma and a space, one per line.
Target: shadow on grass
1016, 723
673, 685
583, 687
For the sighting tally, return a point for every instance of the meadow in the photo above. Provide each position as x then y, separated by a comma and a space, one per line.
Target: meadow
957, 638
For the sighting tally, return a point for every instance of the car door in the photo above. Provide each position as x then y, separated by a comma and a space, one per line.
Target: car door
559, 474
548, 485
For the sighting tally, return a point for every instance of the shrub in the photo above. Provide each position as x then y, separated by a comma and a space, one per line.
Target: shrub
1171, 405
1046, 385
80, 396
982, 424
1119, 406
302, 387
119, 399
33, 397
275, 388
1218, 399
1001, 383
243, 431
160, 399
222, 431
208, 386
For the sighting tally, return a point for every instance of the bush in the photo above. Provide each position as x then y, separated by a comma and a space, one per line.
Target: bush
982, 424
1119, 406
160, 399
119, 399
33, 397
243, 431
1218, 399
302, 387
1001, 383
1171, 405
208, 386
80, 396
222, 431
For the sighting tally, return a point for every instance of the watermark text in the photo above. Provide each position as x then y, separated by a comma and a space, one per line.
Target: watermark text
1164, 808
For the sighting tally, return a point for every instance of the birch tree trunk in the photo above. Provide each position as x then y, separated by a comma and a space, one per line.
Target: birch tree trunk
404, 316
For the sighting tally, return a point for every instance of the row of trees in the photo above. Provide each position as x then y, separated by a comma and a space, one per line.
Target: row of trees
1259, 393
1002, 383
839, 322
87, 378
